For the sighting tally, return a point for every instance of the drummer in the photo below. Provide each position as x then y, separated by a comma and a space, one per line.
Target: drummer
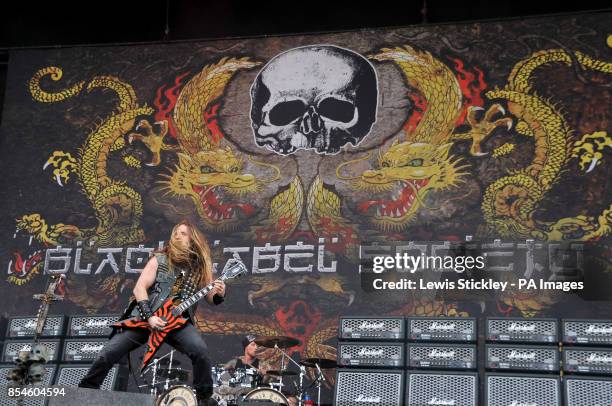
249, 357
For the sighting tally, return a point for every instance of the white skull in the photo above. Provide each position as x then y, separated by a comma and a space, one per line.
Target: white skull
36, 372
315, 97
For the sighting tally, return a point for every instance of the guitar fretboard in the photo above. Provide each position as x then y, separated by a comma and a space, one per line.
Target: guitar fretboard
193, 299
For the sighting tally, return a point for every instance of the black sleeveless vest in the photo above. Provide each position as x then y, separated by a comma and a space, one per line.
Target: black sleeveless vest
165, 281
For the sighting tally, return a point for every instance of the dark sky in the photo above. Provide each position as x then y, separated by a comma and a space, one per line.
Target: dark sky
30, 24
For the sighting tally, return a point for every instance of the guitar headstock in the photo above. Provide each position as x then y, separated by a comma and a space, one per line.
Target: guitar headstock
234, 268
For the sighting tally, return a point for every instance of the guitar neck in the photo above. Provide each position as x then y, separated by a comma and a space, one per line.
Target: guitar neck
196, 297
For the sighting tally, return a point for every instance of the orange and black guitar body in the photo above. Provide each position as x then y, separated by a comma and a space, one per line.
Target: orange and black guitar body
156, 336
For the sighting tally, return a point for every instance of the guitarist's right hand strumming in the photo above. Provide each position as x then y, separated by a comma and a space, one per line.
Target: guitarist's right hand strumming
157, 322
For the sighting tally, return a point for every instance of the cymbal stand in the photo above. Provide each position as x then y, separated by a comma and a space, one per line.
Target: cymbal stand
302, 372
167, 384
153, 365
319, 381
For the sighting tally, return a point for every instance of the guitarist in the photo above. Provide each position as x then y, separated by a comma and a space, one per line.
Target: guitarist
180, 269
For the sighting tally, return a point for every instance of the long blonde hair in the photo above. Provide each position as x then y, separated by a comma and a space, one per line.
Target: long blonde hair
197, 255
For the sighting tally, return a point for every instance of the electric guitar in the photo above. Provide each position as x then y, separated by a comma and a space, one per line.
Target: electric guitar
172, 314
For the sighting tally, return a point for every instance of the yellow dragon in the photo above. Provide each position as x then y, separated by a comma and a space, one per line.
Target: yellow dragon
422, 163
117, 206
509, 203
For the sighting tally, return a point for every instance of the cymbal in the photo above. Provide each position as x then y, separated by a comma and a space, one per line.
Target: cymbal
277, 341
323, 362
275, 372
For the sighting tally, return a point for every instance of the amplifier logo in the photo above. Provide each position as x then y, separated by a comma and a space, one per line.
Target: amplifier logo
436, 326
445, 402
96, 323
514, 354
30, 324
91, 348
523, 328
599, 358
517, 403
598, 330
370, 353
366, 325
368, 399
435, 353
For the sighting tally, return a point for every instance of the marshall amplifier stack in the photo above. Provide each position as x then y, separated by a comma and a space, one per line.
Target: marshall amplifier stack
86, 336
73, 346
587, 361
371, 358
19, 336
521, 355
440, 352
414, 361
20, 332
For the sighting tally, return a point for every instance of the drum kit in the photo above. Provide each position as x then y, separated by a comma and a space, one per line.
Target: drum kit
241, 384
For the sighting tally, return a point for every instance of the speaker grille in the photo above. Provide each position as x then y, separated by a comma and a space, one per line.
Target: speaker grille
6, 400
505, 390
588, 392
371, 354
12, 348
522, 357
587, 360
442, 329
381, 388
26, 327
429, 388
372, 328
442, 356
522, 330
82, 350
587, 331
91, 326
71, 375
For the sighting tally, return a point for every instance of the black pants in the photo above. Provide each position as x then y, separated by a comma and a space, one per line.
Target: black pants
187, 340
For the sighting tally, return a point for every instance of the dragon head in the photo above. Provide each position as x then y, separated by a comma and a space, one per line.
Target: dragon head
211, 179
32, 224
411, 170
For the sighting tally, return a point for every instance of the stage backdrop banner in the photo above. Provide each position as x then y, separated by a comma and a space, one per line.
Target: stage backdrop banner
295, 152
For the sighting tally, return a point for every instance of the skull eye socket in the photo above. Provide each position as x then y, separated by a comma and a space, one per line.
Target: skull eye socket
336, 109
286, 112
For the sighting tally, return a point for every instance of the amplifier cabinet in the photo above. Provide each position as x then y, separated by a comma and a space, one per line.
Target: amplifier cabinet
545, 331
372, 328
442, 356
442, 388
522, 357
444, 329
357, 387
587, 332
371, 354
522, 389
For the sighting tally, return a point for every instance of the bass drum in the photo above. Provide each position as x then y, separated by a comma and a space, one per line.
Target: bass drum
179, 395
267, 394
